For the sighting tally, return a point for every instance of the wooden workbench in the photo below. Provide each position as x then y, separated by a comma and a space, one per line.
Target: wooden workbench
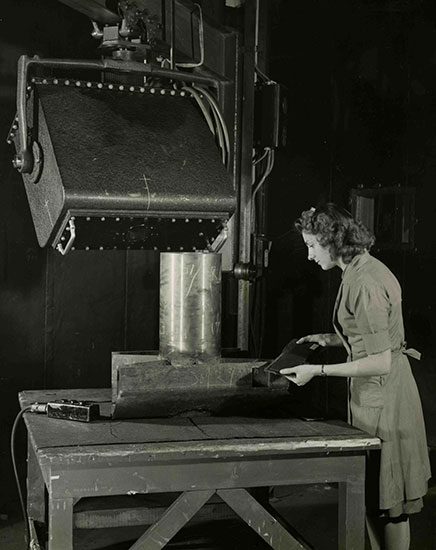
197, 457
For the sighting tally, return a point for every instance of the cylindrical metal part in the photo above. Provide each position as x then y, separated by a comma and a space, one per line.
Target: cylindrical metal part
190, 307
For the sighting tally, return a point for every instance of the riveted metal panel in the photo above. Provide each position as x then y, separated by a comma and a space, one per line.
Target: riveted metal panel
123, 154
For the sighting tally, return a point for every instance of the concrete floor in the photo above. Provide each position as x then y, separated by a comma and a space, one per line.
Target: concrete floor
310, 509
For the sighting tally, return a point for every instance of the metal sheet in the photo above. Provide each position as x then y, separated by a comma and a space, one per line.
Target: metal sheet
144, 386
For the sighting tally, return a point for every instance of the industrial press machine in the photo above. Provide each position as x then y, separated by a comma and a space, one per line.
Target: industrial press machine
163, 143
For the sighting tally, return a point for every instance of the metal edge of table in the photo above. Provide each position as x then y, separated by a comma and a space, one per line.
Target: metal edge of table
206, 449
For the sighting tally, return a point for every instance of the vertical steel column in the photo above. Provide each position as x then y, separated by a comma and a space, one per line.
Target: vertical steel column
260, 229
261, 59
248, 79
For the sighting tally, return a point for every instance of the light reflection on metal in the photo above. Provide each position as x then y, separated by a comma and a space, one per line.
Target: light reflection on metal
190, 307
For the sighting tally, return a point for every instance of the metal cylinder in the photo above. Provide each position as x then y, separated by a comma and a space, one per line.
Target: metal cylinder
190, 307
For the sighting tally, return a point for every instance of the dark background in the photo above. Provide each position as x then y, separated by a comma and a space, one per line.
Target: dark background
361, 76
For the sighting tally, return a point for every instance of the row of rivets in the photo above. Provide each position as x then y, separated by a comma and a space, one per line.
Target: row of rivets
173, 220
100, 85
155, 248
12, 131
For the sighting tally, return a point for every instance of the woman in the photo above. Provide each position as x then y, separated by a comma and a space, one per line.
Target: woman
383, 397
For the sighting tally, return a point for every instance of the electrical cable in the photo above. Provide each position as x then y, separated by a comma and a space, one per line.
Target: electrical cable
219, 129
267, 172
17, 479
197, 98
201, 40
270, 165
219, 133
221, 139
260, 159
215, 106
282, 235
219, 119
212, 101
264, 76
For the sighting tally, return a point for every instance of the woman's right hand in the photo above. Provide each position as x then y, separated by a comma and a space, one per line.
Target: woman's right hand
323, 340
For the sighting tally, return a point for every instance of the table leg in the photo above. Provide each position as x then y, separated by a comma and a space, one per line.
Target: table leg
60, 524
35, 487
351, 528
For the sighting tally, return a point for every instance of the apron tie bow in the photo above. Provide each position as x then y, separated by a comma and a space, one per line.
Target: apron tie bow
411, 352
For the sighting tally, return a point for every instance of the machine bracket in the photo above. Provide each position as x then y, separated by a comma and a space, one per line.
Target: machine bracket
72, 229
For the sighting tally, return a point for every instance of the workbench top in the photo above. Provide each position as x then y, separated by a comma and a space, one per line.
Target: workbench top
187, 436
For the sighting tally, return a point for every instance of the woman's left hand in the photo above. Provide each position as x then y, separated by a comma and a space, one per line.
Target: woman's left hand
301, 374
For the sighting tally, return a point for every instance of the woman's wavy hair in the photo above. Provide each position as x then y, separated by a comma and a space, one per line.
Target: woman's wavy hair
336, 229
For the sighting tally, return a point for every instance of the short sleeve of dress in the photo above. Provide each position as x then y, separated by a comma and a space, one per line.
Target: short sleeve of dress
371, 305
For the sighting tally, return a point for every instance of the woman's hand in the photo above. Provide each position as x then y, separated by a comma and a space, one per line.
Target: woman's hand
301, 374
321, 339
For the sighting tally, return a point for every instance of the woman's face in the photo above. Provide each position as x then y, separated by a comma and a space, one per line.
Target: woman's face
317, 253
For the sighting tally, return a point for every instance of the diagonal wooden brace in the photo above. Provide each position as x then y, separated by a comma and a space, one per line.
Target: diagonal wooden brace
173, 519
260, 520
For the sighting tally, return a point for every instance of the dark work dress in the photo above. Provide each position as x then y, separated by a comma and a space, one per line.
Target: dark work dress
368, 318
